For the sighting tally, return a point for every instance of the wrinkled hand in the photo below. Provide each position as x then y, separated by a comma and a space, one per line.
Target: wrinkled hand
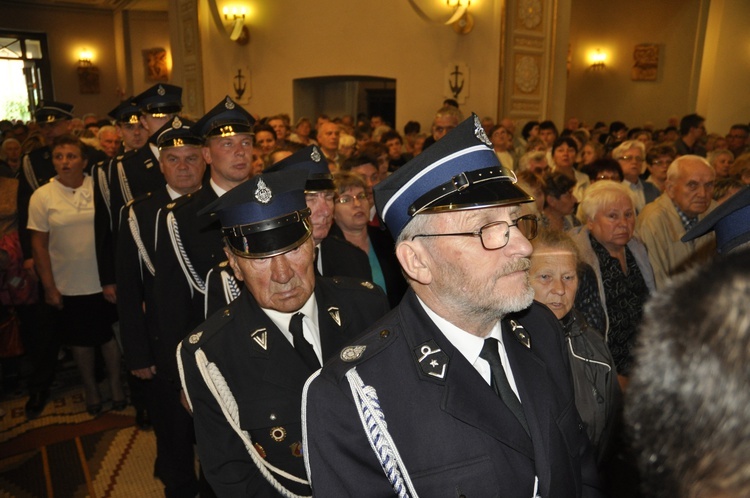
110, 293
145, 373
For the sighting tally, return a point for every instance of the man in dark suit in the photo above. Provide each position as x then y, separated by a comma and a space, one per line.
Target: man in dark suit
464, 389
244, 368
182, 164
334, 256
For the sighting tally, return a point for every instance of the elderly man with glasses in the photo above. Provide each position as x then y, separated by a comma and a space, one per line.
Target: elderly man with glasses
464, 388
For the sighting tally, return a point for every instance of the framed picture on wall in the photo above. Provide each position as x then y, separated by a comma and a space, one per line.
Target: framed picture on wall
88, 80
645, 62
155, 65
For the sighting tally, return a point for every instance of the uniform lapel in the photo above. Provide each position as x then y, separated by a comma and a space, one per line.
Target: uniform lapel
532, 381
283, 366
332, 321
466, 397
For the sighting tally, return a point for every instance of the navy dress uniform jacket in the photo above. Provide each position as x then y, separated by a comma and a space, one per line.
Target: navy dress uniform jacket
130, 176
266, 382
179, 298
455, 435
135, 282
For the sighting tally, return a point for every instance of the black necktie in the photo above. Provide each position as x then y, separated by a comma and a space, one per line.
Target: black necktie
303, 347
315, 260
500, 381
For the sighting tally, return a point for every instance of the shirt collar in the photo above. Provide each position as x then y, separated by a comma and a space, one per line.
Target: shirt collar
281, 320
469, 345
219, 191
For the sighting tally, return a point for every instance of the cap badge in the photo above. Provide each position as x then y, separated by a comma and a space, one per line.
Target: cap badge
161, 91
263, 193
194, 338
352, 353
315, 155
229, 104
50, 118
334, 312
176, 123
479, 132
432, 360
260, 336
366, 284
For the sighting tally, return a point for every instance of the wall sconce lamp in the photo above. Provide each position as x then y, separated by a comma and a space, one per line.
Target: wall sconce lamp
461, 21
84, 58
88, 73
239, 32
597, 60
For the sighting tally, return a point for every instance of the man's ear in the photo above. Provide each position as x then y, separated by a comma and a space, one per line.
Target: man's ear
415, 261
206, 154
233, 264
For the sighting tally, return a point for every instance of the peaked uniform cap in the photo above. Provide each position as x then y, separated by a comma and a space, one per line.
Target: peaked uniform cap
160, 99
264, 216
313, 162
50, 111
226, 119
730, 220
458, 172
126, 112
178, 132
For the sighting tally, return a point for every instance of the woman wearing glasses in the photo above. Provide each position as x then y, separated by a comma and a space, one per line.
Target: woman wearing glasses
658, 159
351, 216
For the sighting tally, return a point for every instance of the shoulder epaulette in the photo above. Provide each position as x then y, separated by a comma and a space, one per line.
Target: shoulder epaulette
138, 199
351, 283
179, 202
362, 349
208, 329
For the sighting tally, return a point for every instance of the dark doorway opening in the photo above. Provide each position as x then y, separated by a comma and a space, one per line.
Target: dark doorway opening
345, 95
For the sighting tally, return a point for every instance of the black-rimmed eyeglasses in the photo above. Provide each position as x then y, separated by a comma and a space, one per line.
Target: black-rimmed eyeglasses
495, 235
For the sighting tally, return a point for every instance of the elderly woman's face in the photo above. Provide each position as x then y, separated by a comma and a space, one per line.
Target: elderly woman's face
554, 279
352, 211
613, 225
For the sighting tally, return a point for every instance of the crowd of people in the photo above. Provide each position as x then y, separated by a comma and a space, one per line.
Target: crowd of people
226, 259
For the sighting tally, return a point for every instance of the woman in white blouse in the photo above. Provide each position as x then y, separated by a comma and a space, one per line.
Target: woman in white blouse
61, 221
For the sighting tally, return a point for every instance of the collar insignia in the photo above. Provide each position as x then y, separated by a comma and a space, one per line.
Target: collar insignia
431, 359
334, 312
260, 336
194, 338
521, 335
263, 193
